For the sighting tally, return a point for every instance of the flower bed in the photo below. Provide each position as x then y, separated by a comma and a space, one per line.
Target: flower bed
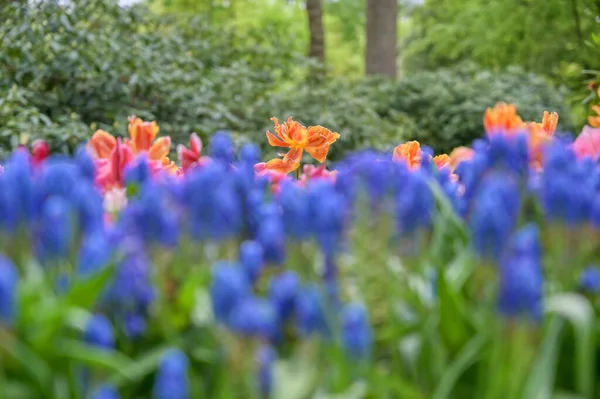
125, 274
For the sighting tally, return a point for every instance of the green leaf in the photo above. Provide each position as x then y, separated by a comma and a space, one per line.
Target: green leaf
293, 380
138, 368
358, 390
453, 324
540, 383
460, 269
596, 39
16, 390
35, 366
92, 356
86, 291
469, 354
580, 313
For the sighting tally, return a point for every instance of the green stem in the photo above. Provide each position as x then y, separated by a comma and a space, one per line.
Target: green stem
298, 172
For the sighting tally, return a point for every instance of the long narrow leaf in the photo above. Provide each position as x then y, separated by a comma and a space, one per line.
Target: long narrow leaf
87, 290
138, 368
470, 353
540, 383
580, 314
93, 357
34, 365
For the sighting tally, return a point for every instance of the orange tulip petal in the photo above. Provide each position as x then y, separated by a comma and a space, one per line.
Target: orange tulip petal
461, 154
594, 120
315, 140
169, 165
502, 117
550, 122
160, 149
319, 140
275, 142
442, 161
294, 156
409, 152
101, 144
318, 153
142, 133
279, 165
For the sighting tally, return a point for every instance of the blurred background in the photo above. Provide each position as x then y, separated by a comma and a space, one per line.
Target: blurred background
377, 71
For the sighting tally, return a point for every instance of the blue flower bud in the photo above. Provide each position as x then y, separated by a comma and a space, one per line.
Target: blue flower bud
89, 205
271, 235
134, 325
9, 279
509, 154
8, 205
357, 336
172, 380
414, 203
17, 172
99, 332
521, 279
229, 286
131, 291
250, 154
295, 209
105, 392
310, 314
138, 172
221, 147
58, 177
328, 214
283, 290
254, 317
85, 163
95, 253
265, 357
567, 189
251, 259
494, 215
55, 228
590, 280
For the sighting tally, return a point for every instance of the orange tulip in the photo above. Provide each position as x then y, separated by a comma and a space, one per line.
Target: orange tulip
141, 134
460, 154
442, 161
409, 152
101, 144
284, 165
502, 118
594, 120
314, 139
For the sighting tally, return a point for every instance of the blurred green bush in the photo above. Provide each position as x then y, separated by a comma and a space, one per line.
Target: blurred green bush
448, 104
70, 70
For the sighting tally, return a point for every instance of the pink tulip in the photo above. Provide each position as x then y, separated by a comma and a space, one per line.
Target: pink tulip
587, 143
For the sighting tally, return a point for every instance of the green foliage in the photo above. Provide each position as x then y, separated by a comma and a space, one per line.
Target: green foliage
448, 104
105, 63
22, 122
359, 111
541, 36
93, 64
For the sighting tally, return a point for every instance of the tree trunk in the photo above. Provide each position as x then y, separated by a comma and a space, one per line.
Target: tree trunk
382, 31
315, 26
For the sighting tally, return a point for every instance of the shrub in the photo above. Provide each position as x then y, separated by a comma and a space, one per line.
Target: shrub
105, 63
356, 109
22, 122
94, 63
448, 104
